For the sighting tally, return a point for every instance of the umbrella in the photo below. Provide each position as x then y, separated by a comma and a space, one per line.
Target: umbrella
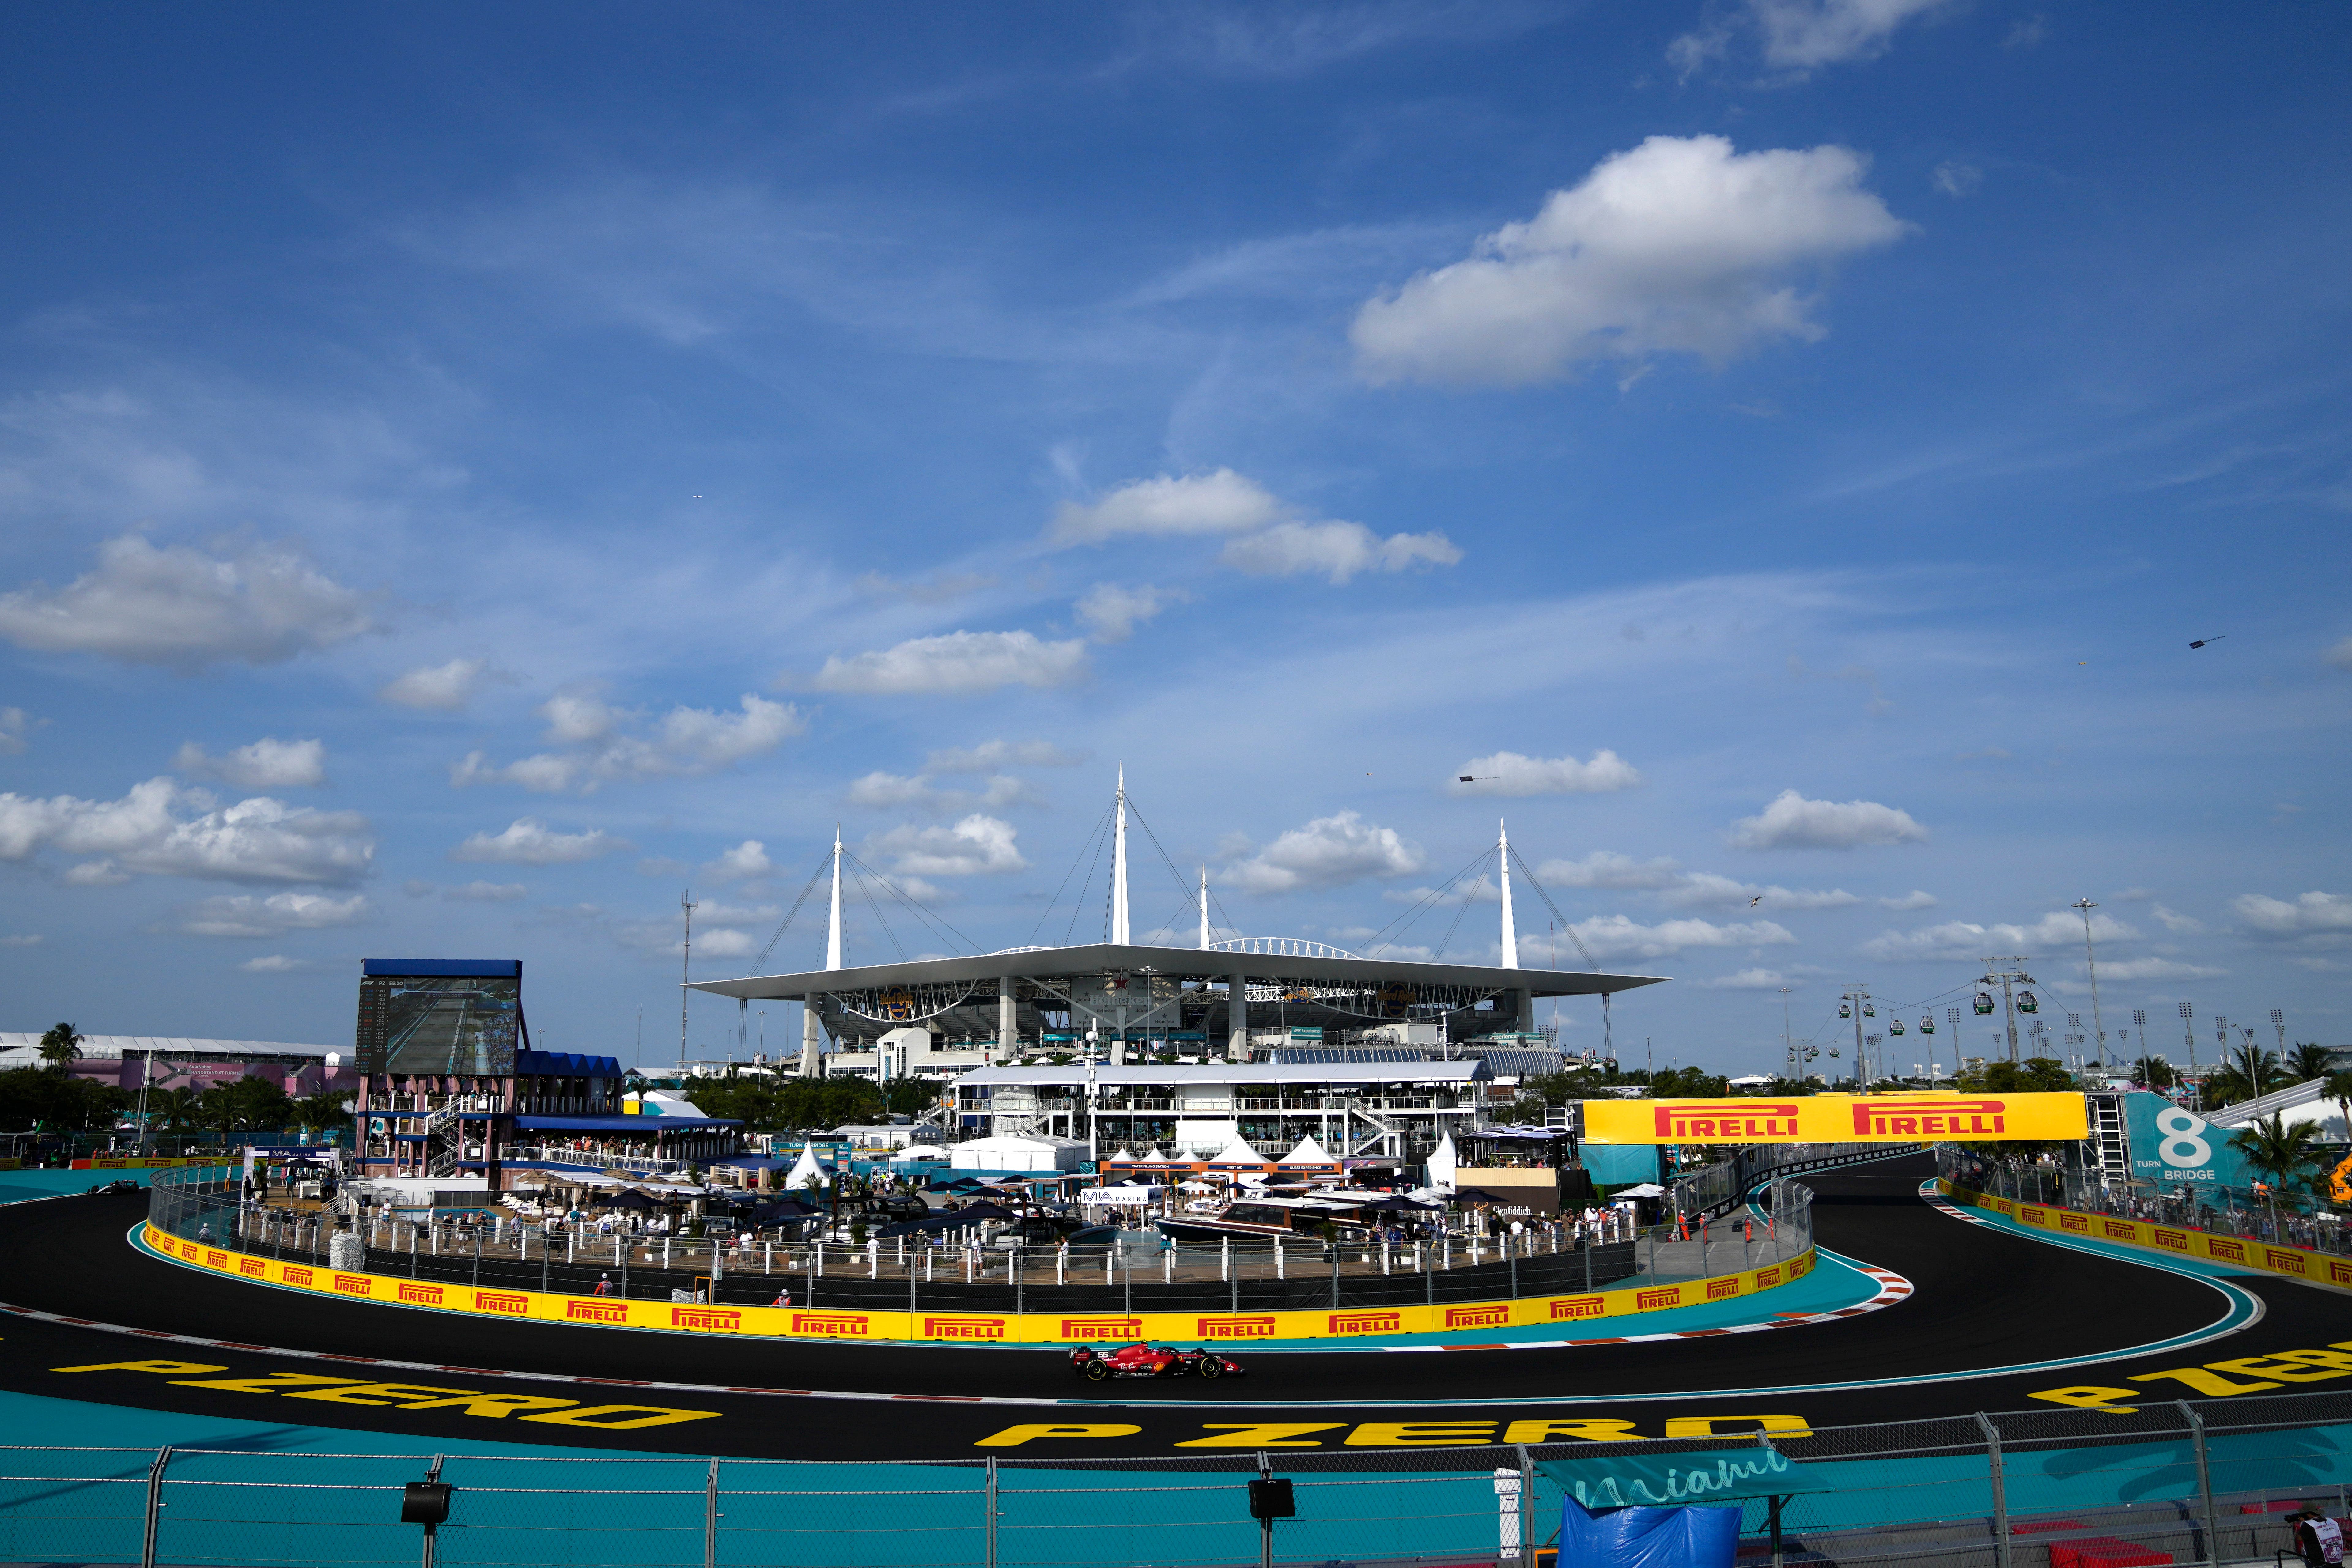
975, 1213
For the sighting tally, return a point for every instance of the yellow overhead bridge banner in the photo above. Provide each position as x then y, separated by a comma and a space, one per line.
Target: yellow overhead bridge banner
1840, 1119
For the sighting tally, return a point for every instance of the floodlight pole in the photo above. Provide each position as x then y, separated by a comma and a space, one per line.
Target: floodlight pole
685, 974
2091, 961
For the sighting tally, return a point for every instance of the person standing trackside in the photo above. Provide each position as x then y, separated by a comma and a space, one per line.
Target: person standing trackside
604, 1285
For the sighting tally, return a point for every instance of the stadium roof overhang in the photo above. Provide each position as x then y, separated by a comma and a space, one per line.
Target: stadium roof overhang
1057, 964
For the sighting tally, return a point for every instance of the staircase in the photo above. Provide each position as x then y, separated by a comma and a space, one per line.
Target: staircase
447, 1147
1386, 1137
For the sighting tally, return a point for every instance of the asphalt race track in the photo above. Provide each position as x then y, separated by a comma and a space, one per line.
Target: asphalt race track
1987, 1303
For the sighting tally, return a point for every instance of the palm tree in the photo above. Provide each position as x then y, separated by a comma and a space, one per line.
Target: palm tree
172, 1110
61, 1045
2307, 1061
2339, 1088
2248, 1072
2272, 1144
2155, 1072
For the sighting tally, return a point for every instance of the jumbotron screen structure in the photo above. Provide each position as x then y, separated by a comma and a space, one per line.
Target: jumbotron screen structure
454, 1016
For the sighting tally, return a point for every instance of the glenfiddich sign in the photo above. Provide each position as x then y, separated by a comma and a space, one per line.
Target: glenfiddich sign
1923, 1118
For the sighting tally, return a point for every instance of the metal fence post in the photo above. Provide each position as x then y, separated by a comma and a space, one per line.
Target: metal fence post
1527, 1507
155, 1506
988, 1514
1999, 1493
710, 1519
2204, 1483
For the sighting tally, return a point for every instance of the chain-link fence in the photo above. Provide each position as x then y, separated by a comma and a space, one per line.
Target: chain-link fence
969, 1276
2200, 1482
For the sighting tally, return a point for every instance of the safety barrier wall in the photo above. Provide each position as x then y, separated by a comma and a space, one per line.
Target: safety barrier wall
2189, 1482
2294, 1262
196, 1219
946, 1325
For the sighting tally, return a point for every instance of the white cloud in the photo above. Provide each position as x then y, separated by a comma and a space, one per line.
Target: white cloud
527, 841
484, 892
176, 606
1615, 936
717, 913
723, 944
244, 915
2060, 929
1801, 34
14, 728
891, 791
1484, 891
1508, 773
1112, 613
977, 844
2340, 656
443, 688
1956, 180
1325, 853
1914, 899
30, 939
268, 763
276, 963
163, 829
991, 755
98, 873
1337, 550
957, 664
1265, 536
683, 744
1681, 244
2177, 923
1607, 868
2158, 969
1746, 980
1221, 502
2323, 917
746, 861
1793, 822
1702, 889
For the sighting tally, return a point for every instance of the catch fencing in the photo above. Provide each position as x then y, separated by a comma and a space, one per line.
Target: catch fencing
2267, 1214
909, 1273
2200, 1482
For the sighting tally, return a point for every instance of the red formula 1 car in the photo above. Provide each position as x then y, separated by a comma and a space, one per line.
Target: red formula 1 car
1151, 1361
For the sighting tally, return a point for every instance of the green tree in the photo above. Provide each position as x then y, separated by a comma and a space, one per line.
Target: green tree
2286, 1150
61, 1045
172, 1110
2155, 1072
2339, 1088
320, 1112
2306, 1062
2248, 1072
2035, 1075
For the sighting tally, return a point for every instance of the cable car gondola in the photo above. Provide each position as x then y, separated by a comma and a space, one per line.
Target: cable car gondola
1868, 1011
1984, 1004
2026, 1003
1926, 1024
1896, 1027
1844, 1011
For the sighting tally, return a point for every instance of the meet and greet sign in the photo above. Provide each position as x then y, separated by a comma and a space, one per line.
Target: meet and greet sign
1839, 1119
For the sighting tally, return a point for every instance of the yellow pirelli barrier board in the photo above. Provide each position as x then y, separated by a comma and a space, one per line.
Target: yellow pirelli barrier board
981, 1328
2244, 1252
1840, 1119
154, 1162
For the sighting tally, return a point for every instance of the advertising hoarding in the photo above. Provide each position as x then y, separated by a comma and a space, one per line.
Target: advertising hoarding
2170, 1144
1840, 1119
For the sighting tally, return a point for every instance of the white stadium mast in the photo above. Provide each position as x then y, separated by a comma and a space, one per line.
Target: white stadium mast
1119, 928
811, 1031
1510, 927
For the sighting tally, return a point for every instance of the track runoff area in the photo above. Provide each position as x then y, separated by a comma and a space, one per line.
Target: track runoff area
1995, 1318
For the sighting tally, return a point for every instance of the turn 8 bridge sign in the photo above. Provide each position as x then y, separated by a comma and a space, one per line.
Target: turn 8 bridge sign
1840, 1119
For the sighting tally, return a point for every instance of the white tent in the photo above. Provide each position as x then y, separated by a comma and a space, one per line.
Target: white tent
805, 1168
1442, 1161
1238, 1153
1031, 1151
1753, 1080
1152, 1157
1646, 1190
919, 1151
1122, 1154
1309, 1153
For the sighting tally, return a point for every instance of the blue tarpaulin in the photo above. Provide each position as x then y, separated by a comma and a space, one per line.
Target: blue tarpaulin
1648, 1536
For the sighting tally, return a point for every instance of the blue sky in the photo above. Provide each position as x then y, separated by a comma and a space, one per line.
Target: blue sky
467, 478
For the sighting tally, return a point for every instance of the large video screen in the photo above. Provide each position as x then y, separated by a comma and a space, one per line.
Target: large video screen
467, 1024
